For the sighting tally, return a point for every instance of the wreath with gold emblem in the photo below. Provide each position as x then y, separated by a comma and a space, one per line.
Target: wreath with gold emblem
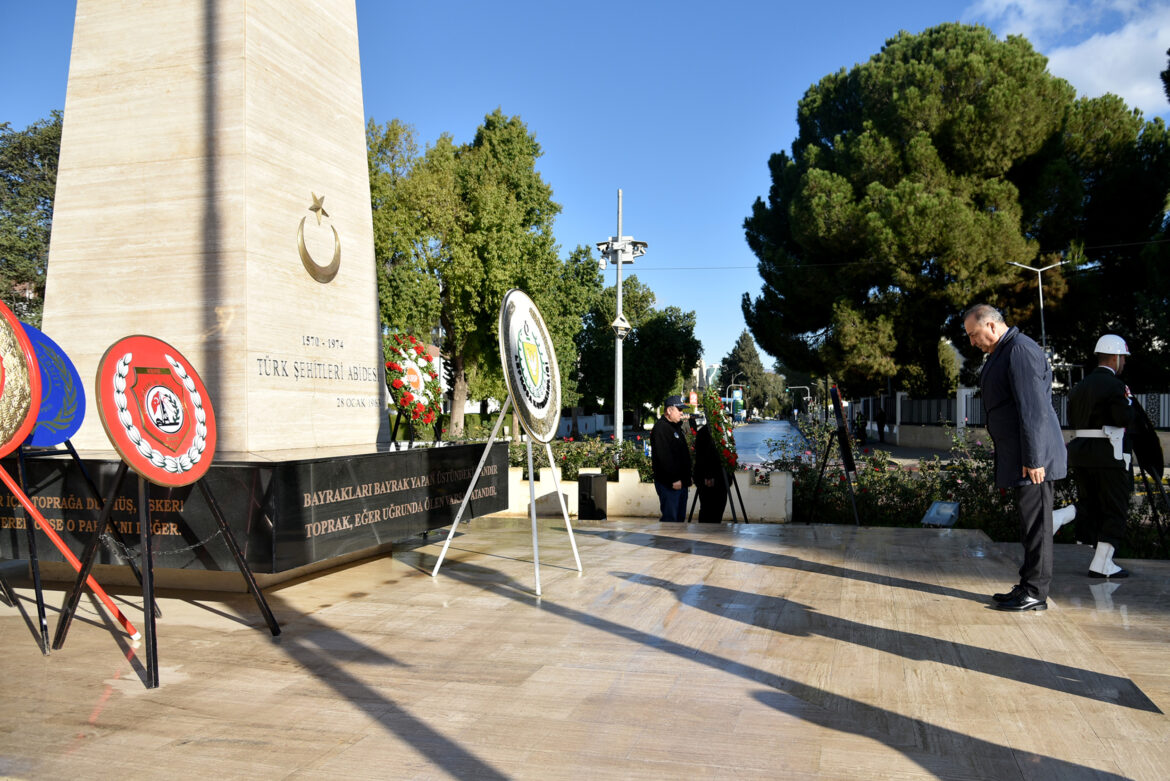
406, 352
721, 428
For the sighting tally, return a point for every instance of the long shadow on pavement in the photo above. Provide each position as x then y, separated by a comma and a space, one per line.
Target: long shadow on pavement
317, 647
749, 556
911, 737
781, 615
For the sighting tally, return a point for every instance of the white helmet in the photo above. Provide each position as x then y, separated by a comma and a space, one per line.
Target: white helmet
1111, 344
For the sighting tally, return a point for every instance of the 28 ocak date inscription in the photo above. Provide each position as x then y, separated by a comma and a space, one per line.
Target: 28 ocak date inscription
358, 401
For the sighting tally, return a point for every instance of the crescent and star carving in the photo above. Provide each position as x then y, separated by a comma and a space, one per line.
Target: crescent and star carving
322, 274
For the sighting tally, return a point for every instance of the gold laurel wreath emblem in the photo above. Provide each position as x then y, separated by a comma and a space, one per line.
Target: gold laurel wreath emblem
68, 402
16, 397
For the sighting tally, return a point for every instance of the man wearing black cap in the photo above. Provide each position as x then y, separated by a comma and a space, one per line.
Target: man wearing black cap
670, 456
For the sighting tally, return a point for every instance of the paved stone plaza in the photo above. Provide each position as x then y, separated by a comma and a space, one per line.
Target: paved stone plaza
682, 652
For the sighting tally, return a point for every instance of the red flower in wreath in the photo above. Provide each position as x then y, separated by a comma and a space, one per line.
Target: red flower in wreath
397, 383
722, 430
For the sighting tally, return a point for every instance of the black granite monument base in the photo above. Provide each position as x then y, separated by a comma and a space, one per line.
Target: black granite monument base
285, 514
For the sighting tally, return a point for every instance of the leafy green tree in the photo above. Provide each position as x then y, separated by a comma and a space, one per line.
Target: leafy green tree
742, 366
948, 359
595, 342
569, 290
775, 399
658, 353
28, 183
1101, 187
578, 288
410, 222
1166, 77
896, 208
662, 350
463, 225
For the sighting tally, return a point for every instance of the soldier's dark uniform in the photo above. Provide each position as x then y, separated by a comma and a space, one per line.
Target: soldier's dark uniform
1104, 482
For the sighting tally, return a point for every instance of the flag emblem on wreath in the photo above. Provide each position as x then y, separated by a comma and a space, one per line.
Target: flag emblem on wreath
166, 412
533, 367
156, 390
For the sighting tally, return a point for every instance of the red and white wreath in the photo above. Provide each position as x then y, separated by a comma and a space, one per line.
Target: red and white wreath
411, 375
722, 430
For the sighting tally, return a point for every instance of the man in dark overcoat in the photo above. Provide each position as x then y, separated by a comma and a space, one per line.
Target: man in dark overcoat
1016, 385
670, 457
710, 477
1099, 410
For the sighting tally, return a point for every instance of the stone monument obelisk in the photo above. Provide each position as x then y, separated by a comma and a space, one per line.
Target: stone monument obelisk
213, 192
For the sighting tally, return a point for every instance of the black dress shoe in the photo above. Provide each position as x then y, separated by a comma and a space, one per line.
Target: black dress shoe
1022, 601
1015, 592
1121, 573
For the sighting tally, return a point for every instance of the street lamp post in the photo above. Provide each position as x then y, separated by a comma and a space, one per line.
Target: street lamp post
619, 250
805, 388
1040, 288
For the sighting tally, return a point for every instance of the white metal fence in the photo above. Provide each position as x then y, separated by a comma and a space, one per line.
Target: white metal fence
967, 409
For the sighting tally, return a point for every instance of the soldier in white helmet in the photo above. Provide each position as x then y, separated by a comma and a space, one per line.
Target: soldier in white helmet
1100, 408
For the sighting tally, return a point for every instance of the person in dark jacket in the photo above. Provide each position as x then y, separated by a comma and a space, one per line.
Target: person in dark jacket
1016, 384
710, 477
1100, 409
670, 457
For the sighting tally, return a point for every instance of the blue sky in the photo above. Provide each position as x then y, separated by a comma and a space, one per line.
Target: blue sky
679, 104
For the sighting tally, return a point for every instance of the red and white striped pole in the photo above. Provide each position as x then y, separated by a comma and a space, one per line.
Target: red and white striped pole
68, 554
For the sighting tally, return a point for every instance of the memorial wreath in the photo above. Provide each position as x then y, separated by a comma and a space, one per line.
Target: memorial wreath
721, 429
405, 351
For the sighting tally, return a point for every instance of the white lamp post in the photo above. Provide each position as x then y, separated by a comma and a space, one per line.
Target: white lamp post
619, 250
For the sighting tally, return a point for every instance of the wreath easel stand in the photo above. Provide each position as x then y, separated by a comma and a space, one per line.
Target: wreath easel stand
517, 312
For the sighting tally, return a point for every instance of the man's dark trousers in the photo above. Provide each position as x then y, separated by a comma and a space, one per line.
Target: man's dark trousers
672, 503
1034, 502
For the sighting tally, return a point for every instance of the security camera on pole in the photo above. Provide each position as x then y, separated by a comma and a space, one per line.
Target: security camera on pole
619, 250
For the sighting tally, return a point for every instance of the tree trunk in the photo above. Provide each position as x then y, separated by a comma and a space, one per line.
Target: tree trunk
458, 396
